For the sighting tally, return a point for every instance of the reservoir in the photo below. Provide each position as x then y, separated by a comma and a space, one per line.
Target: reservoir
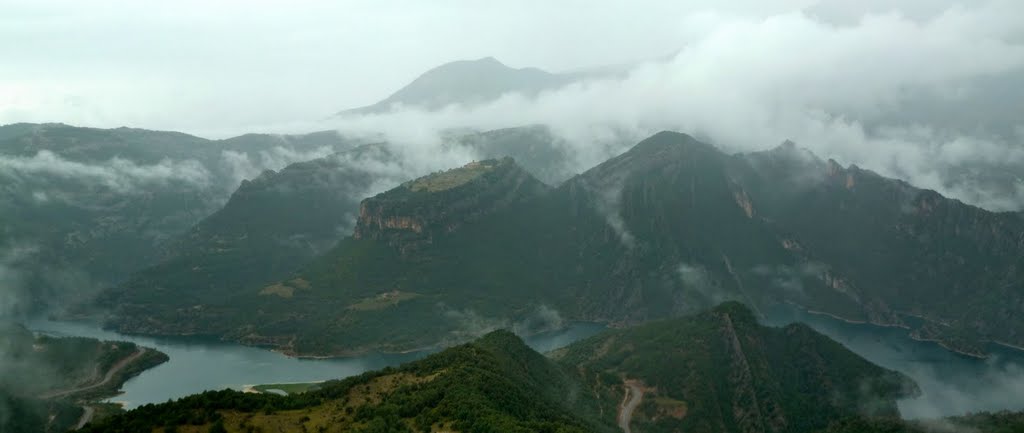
198, 365
951, 384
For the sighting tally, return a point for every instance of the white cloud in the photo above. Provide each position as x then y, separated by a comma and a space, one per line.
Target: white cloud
747, 83
241, 165
118, 174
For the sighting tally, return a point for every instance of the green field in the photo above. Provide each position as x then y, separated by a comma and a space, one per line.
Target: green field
287, 388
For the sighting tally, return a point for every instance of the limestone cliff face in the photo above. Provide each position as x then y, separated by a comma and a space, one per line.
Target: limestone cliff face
419, 211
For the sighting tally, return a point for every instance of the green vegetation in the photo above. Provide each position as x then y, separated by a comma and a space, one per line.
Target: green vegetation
714, 372
449, 179
45, 378
668, 228
71, 231
496, 384
719, 371
22, 414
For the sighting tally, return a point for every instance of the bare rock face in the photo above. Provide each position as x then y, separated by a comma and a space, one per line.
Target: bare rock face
416, 212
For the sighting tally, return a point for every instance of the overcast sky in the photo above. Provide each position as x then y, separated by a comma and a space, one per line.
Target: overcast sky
216, 68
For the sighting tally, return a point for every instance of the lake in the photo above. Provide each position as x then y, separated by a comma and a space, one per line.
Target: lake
952, 384
198, 365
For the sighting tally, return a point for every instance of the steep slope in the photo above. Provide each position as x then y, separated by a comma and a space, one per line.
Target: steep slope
721, 371
83, 207
671, 226
278, 222
466, 83
896, 254
241, 287
674, 225
495, 384
269, 227
718, 371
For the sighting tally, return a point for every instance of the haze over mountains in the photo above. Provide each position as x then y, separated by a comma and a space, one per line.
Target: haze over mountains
671, 226
185, 178
862, 163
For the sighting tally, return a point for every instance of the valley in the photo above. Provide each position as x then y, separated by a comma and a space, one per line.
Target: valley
669, 227
541, 217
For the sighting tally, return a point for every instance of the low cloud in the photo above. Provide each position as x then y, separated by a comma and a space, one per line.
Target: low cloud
242, 166
13, 299
697, 278
608, 203
117, 174
747, 83
991, 385
791, 278
468, 324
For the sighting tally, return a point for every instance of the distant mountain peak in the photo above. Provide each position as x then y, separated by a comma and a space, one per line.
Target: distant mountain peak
465, 83
666, 140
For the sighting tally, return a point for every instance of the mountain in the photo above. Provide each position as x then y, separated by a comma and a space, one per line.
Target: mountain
716, 371
83, 208
466, 83
277, 223
895, 254
202, 291
721, 371
667, 228
269, 227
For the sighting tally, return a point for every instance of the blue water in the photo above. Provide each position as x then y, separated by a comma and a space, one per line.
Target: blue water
198, 365
951, 384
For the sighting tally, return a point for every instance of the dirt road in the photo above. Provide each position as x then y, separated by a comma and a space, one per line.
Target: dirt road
120, 365
89, 411
634, 394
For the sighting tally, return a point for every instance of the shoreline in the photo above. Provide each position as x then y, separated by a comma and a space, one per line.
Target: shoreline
939, 342
943, 345
1008, 345
251, 388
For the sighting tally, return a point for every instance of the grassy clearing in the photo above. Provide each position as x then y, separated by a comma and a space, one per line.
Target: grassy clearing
670, 407
286, 289
383, 300
449, 179
287, 388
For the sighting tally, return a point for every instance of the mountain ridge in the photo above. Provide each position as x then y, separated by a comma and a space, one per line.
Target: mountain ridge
666, 228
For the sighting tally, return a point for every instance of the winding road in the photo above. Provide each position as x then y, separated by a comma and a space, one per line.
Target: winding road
634, 394
120, 365
89, 411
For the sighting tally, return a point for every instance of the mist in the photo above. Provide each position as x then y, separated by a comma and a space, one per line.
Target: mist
747, 84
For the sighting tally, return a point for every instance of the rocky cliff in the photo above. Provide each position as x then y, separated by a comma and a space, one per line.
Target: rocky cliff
418, 211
